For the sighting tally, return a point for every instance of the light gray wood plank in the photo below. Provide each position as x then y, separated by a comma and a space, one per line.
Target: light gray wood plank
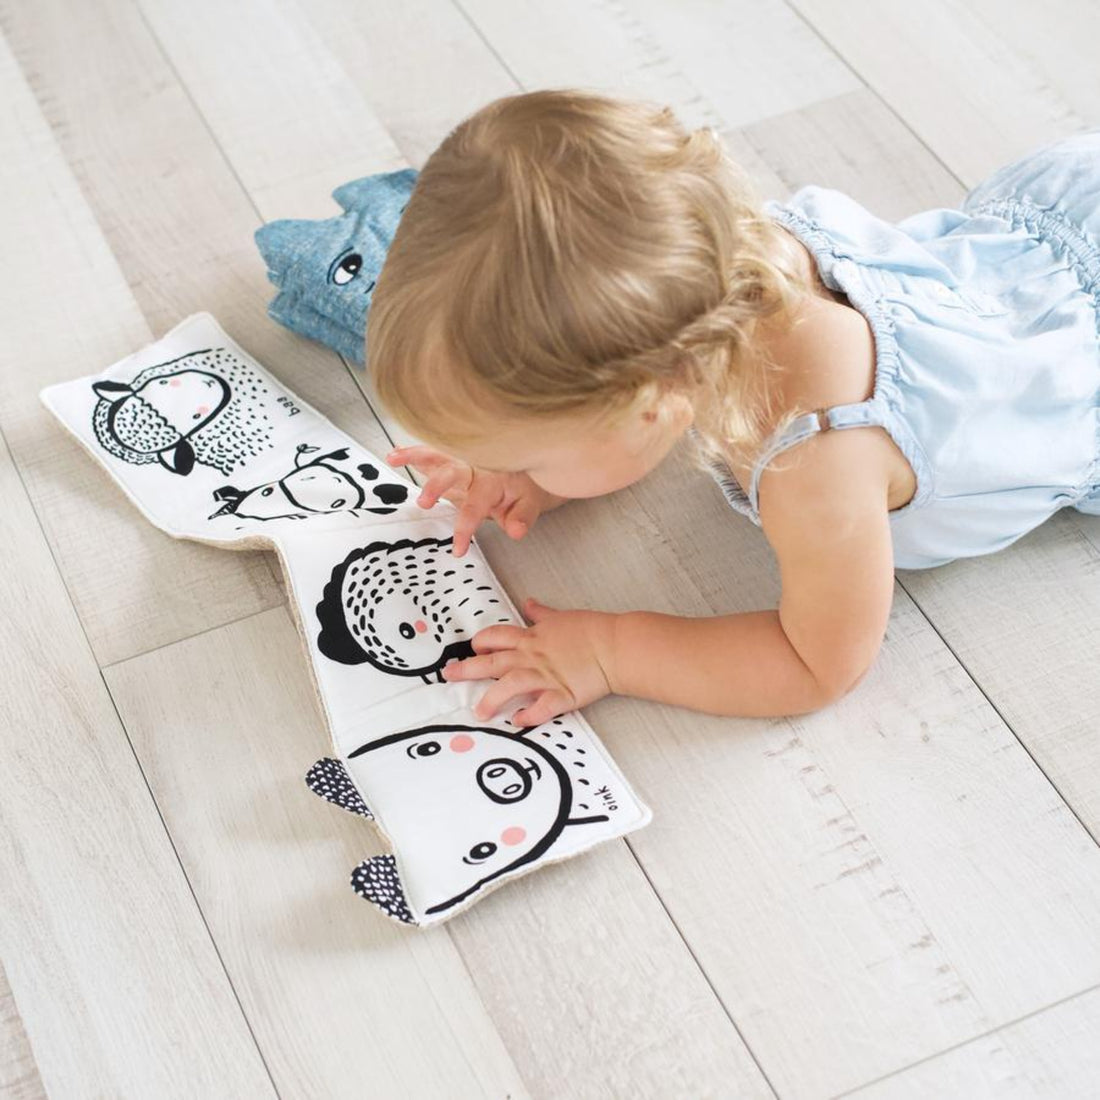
19, 1078
561, 962
133, 586
749, 61
1026, 624
980, 82
441, 71
119, 987
853, 143
1052, 1054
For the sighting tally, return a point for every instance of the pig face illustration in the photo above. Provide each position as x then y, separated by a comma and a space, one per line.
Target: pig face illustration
406, 607
184, 411
476, 804
313, 487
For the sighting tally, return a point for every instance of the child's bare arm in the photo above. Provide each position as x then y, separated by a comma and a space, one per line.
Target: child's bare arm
828, 523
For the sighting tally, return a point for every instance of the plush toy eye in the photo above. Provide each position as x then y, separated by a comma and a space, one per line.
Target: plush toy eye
406, 630
482, 851
346, 268
268, 491
338, 503
428, 748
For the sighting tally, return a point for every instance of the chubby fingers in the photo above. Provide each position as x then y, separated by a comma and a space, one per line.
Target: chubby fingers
548, 705
415, 454
498, 636
437, 484
519, 517
483, 666
517, 682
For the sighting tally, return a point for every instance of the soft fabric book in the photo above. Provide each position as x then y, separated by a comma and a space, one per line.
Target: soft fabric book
211, 447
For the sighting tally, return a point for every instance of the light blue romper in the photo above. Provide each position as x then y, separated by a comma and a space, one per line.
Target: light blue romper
986, 323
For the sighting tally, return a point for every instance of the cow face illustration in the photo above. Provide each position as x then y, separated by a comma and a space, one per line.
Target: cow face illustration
317, 486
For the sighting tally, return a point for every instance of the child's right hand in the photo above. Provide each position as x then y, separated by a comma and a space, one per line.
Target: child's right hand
512, 499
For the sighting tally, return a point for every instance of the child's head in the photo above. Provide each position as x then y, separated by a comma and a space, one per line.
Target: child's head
575, 279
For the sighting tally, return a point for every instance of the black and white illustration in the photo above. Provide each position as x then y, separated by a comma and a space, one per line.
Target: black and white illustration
208, 407
214, 448
407, 607
477, 803
318, 484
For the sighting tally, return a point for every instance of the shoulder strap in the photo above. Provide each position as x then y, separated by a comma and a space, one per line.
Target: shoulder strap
802, 427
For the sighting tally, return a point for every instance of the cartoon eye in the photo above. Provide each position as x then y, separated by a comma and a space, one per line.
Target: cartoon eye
346, 268
428, 748
268, 491
481, 852
197, 416
162, 382
406, 630
338, 503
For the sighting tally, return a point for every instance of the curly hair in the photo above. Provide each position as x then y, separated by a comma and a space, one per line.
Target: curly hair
565, 252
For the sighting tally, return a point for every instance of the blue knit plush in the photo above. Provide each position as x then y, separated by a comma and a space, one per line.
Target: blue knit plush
326, 268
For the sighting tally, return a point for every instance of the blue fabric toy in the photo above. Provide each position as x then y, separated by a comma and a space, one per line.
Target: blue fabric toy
326, 268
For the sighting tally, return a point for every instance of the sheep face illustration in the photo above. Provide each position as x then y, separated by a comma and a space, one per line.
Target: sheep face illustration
407, 607
156, 418
477, 803
184, 411
315, 487
326, 268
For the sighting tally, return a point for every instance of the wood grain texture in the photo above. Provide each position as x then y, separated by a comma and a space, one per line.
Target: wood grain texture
1052, 1055
980, 82
118, 985
900, 892
19, 1078
552, 973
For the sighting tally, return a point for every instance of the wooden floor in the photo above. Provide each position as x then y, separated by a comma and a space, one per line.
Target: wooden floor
896, 897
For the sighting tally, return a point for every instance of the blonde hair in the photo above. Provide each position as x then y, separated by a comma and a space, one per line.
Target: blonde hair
565, 252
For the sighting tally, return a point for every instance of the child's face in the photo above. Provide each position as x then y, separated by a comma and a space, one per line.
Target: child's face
581, 457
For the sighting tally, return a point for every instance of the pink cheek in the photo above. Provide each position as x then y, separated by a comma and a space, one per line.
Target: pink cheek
420, 626
173, 382
202, 410
513, 835
461, 742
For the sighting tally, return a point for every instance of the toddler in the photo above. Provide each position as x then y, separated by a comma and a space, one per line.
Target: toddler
577, 283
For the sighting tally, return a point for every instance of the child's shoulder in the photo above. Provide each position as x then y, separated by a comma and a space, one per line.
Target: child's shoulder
825, 358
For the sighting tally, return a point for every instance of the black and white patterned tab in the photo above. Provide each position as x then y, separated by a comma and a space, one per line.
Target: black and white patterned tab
376, 880
329, 778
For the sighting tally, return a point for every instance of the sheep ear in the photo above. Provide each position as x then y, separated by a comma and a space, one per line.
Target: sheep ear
180, 459
376, 880
111, 391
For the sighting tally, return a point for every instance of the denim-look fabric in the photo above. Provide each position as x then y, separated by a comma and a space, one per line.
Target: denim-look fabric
326, 268
986, 323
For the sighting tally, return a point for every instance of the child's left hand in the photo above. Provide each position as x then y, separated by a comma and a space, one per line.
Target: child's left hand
564, 655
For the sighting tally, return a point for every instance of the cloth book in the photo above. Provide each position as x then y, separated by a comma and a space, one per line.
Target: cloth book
211, 447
